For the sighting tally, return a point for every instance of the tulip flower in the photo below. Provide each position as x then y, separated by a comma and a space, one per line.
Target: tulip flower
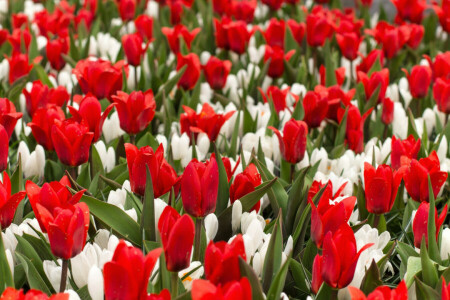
36, 98
410, 10
8, 202
318, 28
327, 196
8, 115
443, 13
368, 61
13, 294
177, 235
420, 222
403, 151
392, 38
339, 74
293, 141
132, 46
416, 35
273, 4
336, 97
243, 10
222, 261
126, 275
354, 134
376, 79
277, 57
54, 50
135, 110
349, 44
381, 292
127, 9
445, 292
245, 183
274, 34
441, 65
221, 33
316, 108
419, 80
236, 290
216, 72
84, 17
100, 77
4, 148
207, 121
192, 72
441, 94
144, 26
18, 67
90, 112
237, 36
174, 34
297, 29
163, 175
221, 7
387, 114
336, 266
415, 176
41, 125
20, 39
381, 185
72, 141
19, 20
277, 96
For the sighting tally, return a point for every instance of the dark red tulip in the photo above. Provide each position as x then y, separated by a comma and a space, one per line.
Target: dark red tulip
174, 35
222, 260
354, 134
144, 26
403, 151
36, 98
126, 275
221, 33
8, 115
276, 96
349, 44
18, 67
127, 9
221, 7
316, 108
410, 10
216, 72
238, 36
274, 33
298, 30
243, 10
132, 46
416, 35
336, 97
273, 4
420, 223
55, 50
441, 65
277, 58
199, 187
3, 36
135, 110
441, 94
236, 290
419, 80
443, 13
318, 28
72, 141
207, 121
41, 125
8, 202
245, 183
177, 235
376, 79
19, 20
20, 39
58, 96
192, 72
91, 112
100, 77
415, 176
387, 114
293, 141
163, 175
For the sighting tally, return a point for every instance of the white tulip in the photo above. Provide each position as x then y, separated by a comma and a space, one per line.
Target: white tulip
111, 127
179, 145
236, 214
108, 157
445, 244
95, 283
211, 226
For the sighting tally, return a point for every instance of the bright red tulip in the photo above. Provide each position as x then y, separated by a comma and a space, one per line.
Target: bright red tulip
441, 94
245, 183
354, 134
192, 72
19, 20
368, 61
327, 195
316, 108
403, 151
132, 46
387, 114
336, 97
55, 49
238, 36
12, 294
127, 9
445, 292
163, 175
293, 141
20, 39
298, 30
100, 77
349, 44
276, 96
318, 28
443, 13
274, 33
126, 275
391, 37
8, 115
18, 66
419, 80
410, 10
72, 141
273, 4
207, 121
199, 187
381, 185
37, 97
221, 33
221, 7
85, 17
216, 72
3, 36
277, 58
144, 26
420, 223
58, 96
8, 202
441, 65
41, 125
243, 10
339, 74
135, 110
222, 261
174, 35
236, 290
177, 235
336, 266
383, 292
416, 35
378, 78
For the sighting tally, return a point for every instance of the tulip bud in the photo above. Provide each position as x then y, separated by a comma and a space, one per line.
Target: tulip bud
274, 33
216, 72
8, 202
18, 66
174, 34
192, 72
132, 46
55, 49
420, 223
297, 29
144, 26
127, 9
293, 141
441, 94
419, 80
316, 108
245, 183
4, 148
387, 114
8, 115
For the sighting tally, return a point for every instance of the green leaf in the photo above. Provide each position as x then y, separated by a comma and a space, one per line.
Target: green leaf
371, 279
35, 281
325, 292
424, 291
342, 129
429, 273
168, 86
330, 77
6, 278
372, 102
433, 250
277, 285
295, 200
272, 261
299, 112
223, 193
17, 186
148, 210
299, 275
247, 271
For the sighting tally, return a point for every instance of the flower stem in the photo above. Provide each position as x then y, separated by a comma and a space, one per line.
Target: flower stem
65, 267
132, 139
91, 163
174, 284
376, 220
136, 82
73, 173
292, 172
198, 233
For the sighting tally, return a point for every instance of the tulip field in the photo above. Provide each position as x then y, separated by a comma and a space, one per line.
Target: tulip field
224, 149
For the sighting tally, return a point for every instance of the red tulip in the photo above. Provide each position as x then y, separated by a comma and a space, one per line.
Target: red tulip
293, 141
52, 195
222, 261
349, 44
55, 49
132, 46
199, 187
441, 65
37, 97
41, 125
411, 10
19, 20
245, 183
419, 80
420, 223
58, 96
3, 36
192, 72
441, 94
378, 78
387, 114
207, 121
273, 4
391, 37
216, 72
368, 61
297, 29
274, 33
276, 96
127, 9
243, 10
177, 235
445, 292
85, 17
8, 202
135, 110
174, 34
443, 13
126, 275
72, 141
20, 39
18, 66
144, 26
163, 175
403, 151
381, 292
277, 57
318, 28
381, 185
221, 33
336, 97
91, 112
416, 175
336, 266
221, 7
416, 35
327, 195
100, 77
238, 36
236, 290
354, 134
8, 115
66, 228
12, 294
316, 108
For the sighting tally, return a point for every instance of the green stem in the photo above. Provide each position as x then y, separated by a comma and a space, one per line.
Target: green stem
198, 233
91, 163
133, 139
334, 294
65, 268
174, 284
73, 173
136, 82
292, 172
